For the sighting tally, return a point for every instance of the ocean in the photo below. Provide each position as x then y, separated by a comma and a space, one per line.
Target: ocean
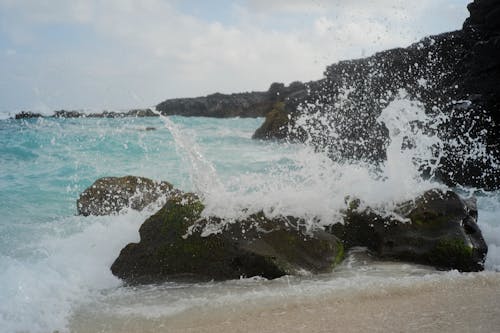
54, 265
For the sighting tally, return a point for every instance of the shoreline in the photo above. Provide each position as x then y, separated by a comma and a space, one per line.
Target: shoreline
450, 303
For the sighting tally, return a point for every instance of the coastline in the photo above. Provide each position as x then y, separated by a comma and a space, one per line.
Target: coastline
453, 302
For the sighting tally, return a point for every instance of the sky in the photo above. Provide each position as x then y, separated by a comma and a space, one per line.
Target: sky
122, 54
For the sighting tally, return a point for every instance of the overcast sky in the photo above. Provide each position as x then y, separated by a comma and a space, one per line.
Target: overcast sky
119, 54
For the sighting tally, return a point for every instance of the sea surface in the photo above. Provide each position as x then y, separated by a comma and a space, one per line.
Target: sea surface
54, 265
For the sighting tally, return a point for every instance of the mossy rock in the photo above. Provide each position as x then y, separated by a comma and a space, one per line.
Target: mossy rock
286, 242
275, 125
441, 231
174, 245
109, 195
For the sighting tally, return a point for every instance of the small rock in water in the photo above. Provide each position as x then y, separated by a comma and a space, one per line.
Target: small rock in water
27, 115
109, 195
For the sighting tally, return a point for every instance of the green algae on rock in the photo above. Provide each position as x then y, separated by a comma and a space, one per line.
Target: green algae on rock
176, 243
276, 122
440, 230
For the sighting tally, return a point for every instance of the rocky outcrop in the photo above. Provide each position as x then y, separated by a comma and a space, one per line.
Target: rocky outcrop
105, 114
27, 115
250, 104
68, 114
481, 70
110, 195
438, 228
81, 114
454, 73
175, 244
275, 125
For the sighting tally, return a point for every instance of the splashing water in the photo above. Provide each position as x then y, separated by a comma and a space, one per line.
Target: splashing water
413, 142
202, 173
308, 183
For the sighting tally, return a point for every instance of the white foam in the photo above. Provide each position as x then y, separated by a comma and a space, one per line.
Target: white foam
38, 294
363, 278
307, 183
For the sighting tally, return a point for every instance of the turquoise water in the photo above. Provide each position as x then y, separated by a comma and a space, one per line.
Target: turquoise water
48, 256
47, 163
54, 263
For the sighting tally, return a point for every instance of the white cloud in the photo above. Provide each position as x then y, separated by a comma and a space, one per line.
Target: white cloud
148, 50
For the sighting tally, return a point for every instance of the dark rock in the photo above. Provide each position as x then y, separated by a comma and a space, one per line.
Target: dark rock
27, 115
276, 123
250, 104
275, 90
440, 230
443, 72
354, 93
68, 114
141, 113
109, 195
173, 245
105, 114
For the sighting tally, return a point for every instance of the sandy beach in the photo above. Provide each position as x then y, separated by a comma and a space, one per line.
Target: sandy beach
461, 303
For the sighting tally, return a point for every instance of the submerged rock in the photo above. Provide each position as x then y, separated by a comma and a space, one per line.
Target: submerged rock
175, 244
109, 195
440, 229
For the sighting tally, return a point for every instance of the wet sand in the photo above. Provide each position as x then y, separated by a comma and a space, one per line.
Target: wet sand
467, 303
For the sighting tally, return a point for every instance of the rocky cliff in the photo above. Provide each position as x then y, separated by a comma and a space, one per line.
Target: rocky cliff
456, 74
249, 104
